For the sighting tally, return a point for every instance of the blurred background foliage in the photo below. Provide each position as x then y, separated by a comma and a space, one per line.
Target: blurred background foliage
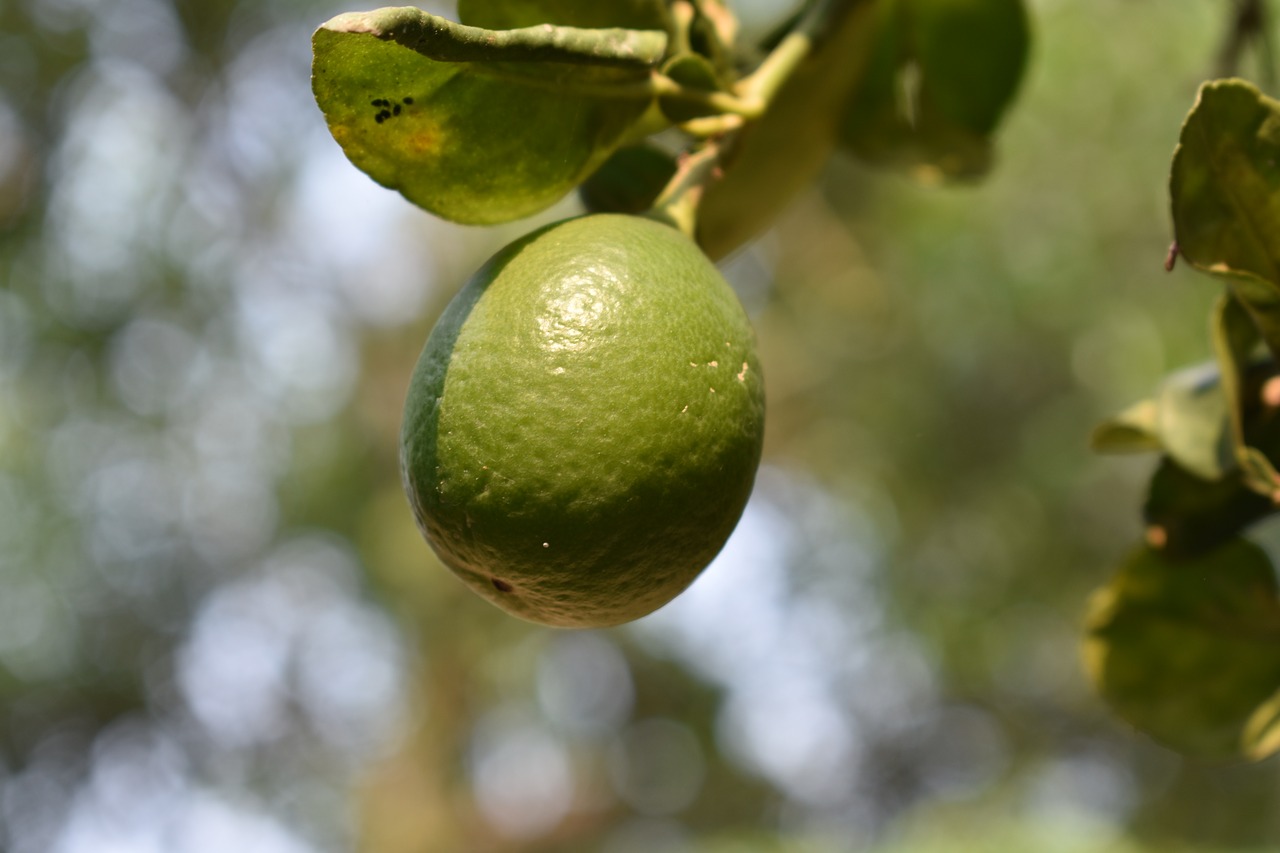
219, 629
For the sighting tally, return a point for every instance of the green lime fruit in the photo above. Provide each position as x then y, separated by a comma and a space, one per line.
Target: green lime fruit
583, 427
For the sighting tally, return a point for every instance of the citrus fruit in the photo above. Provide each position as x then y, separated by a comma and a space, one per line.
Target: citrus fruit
583, 427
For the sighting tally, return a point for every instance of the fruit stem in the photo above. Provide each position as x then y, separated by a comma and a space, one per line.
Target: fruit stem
761, 85
724, 103
682, 15
677, 205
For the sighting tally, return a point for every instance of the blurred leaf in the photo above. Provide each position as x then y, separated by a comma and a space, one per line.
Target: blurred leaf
1234, 339
971, 54
1193, 422
1235, 336
942, 75
1190, 514
629, 181
1135, 430
1212, 483
471, 141
1187, 419
781, 154
1188, 652
636, 14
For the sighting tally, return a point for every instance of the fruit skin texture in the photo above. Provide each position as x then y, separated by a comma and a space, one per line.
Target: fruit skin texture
583, 427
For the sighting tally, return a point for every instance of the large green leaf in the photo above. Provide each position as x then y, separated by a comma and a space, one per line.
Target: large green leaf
1225, 194
479, 141
636, 14
943, 74
1190, 652
782, 153
629, 181
1225, 182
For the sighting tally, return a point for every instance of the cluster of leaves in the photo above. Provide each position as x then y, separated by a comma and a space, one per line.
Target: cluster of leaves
503, 114
1185, 640
658, 107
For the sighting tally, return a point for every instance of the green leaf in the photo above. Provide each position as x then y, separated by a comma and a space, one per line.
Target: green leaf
634, 14
776, 157
1235, 337
1224, 189
1225, 182
943, 74
1235, 342
489, 140
1190, 652
629, 181
1193, 422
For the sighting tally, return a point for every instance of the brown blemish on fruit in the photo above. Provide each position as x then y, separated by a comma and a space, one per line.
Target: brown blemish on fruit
501, 585
1157, 537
